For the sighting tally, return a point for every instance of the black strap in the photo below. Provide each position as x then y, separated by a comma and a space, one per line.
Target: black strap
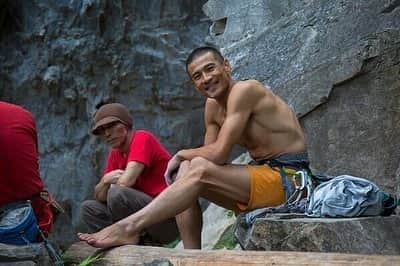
298, 160
53, 253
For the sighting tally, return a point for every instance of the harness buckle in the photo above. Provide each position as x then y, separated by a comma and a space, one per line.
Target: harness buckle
303, 189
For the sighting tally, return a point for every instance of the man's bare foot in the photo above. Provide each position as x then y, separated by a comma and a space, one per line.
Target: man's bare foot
113, 235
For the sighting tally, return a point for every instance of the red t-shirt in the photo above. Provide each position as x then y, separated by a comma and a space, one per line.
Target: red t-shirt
19, 168
146, 149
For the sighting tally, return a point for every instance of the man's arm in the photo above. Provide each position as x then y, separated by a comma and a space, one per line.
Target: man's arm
132, 172
212, 127
242, 99
101, 189
125, 177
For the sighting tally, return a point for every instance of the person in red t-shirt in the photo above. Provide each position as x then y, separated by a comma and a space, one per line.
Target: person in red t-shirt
133, 177
19, 168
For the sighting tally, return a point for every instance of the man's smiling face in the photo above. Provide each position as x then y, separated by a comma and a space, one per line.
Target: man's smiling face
209, 75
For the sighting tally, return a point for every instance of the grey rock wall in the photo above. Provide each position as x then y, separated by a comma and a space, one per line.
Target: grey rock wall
336, 63
60, 59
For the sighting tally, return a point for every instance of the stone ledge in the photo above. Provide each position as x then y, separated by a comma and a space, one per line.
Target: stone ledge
286, 232
33, 254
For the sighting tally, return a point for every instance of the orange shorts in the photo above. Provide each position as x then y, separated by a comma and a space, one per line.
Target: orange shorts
266, 188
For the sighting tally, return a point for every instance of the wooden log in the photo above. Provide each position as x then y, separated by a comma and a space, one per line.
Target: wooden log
142, 255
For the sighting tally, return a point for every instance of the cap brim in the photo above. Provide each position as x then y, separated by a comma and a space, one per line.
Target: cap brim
104, 121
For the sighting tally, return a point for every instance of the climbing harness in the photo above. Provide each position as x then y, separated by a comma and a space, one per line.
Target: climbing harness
303, 189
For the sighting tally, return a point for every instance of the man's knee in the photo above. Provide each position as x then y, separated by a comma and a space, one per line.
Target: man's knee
199, 168
200, 163
183, 168
114, 195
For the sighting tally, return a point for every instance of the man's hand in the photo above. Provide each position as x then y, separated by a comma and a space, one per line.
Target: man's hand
112, 177
172, 169
101, 189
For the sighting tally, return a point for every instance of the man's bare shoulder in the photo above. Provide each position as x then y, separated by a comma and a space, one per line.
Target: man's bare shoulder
250, 84
250, 88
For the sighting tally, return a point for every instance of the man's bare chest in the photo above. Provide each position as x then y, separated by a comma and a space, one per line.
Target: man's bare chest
220, 117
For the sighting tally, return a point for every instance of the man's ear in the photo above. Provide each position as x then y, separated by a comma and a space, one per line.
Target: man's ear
227, 66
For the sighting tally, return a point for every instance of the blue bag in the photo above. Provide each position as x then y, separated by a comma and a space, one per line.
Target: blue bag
18, 225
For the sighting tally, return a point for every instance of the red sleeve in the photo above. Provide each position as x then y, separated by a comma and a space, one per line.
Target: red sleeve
141, 149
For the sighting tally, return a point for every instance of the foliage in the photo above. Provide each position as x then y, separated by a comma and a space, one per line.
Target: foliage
227, 240
91, 259
172, 244
230, 213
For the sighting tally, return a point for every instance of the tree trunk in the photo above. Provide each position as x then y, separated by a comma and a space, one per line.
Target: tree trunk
142, 255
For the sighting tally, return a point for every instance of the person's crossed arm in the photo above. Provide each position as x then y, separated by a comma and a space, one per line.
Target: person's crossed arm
120, 177
101, 189
131, 173
243, 98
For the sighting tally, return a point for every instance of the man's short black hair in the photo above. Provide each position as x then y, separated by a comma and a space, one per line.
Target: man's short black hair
202, 50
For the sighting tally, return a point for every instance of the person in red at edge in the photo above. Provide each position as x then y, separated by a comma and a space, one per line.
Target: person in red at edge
133, 177
19, 168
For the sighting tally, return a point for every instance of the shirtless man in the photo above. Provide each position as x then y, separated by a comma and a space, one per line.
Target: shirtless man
236, 112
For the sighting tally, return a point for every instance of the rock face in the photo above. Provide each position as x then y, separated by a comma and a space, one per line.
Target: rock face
60, 59
34, 254
365, 235
336, 63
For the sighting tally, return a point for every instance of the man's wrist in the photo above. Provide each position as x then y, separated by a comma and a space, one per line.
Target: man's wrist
122, 184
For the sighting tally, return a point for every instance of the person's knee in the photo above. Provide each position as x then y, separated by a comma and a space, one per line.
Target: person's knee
199, 168
114, 194
198, 162
183, 168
